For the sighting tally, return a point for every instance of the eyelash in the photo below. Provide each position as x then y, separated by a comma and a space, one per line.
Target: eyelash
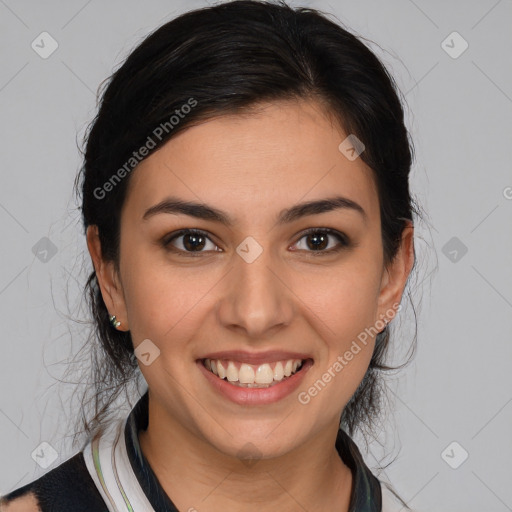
342, 238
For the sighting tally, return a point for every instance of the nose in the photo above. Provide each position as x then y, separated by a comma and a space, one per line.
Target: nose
257, 299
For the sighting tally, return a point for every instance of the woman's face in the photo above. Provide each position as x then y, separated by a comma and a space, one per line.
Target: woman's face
258, 289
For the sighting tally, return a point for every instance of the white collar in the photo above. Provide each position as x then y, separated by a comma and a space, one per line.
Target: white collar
107, 461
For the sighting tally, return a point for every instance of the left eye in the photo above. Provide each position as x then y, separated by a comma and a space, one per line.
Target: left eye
194, 241
319, 240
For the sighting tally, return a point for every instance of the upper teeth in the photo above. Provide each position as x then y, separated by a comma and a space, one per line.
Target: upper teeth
250, 374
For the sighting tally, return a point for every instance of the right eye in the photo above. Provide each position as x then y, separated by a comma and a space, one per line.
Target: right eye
193, 241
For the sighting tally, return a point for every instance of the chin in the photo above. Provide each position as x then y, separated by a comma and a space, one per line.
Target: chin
255, 440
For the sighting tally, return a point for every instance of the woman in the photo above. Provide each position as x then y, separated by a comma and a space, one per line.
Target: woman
247, 210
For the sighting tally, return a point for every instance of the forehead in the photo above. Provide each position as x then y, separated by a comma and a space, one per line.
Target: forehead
276, 155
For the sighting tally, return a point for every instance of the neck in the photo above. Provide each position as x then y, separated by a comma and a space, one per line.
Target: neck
196, 476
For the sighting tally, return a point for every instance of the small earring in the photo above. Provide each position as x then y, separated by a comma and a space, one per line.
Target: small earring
115, 323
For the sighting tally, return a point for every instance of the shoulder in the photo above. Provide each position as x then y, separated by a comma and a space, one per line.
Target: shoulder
26, 503
67, 487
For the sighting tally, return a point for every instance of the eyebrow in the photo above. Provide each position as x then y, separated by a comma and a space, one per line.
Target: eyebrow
176, 206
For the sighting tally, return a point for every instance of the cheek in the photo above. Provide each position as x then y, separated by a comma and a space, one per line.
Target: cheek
149, 291
342, 306
344, 299
343, 315
164, 303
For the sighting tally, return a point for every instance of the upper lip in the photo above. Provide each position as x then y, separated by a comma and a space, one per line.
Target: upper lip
256, 357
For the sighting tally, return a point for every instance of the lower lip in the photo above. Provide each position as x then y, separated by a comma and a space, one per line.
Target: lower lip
256, 396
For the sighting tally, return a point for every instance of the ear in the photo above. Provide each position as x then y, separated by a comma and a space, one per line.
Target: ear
395, 275
108, 279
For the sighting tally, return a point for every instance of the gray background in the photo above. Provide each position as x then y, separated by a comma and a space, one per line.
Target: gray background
459, 386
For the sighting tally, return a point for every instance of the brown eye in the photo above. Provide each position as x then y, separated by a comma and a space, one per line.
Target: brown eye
320, 240
192, 240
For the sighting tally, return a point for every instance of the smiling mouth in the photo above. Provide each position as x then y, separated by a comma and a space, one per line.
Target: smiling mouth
254, 376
